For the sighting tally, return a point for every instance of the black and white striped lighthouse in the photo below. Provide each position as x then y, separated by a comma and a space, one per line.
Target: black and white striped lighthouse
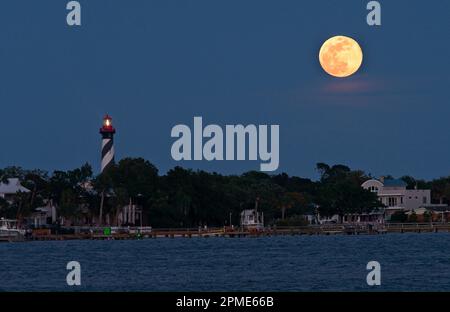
107, 131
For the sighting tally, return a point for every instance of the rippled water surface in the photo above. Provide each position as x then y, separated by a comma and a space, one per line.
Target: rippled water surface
289, 263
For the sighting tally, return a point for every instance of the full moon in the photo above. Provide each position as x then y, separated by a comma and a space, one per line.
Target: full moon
340, 56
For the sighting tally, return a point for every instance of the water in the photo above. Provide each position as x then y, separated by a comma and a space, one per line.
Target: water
409, 262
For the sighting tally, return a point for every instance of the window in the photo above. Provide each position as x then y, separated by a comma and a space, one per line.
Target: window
401, 200
373, 189
424, 200
392, 201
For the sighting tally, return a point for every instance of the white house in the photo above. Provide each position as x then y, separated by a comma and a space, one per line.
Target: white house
394, 195
130, 215
42, 216
11, 188
252, 219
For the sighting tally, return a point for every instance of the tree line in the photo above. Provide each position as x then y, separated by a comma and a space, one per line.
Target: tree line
188, 198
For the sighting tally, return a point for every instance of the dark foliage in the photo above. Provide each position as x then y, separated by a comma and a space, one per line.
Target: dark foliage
187, 198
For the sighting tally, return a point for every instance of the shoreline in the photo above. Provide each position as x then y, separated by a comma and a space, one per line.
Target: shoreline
135, 233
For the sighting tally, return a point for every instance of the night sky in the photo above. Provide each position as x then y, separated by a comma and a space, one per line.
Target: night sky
155, 64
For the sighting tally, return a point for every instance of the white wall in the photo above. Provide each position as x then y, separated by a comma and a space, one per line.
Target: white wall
409, 199
416, 198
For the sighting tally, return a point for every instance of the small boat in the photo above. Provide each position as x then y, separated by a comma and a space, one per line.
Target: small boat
9, 232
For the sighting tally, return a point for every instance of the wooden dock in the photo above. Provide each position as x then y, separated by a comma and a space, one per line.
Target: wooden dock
236, 232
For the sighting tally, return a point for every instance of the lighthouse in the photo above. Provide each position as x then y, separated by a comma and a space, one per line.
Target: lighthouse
107, 131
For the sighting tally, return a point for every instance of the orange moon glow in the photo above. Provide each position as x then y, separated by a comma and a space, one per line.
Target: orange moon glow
340, 56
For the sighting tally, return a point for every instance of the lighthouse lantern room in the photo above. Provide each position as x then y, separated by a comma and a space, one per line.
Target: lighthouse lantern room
107, 131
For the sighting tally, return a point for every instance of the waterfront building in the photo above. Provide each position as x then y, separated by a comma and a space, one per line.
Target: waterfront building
396, 198
10, 188
42, 216
325, 219
130, 215
252, 219
373, 217
394, 195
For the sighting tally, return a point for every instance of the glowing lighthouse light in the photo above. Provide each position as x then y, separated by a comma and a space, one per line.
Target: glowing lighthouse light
107, 131
107, 124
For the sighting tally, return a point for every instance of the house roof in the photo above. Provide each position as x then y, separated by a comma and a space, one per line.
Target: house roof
394, 183
12, 187
248, 212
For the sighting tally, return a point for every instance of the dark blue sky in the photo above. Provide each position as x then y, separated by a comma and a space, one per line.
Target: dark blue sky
155, 64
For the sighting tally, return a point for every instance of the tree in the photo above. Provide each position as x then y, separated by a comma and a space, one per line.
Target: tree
290, 200
103, 184
23, 203
133, 178
37, 182
340, 192
68, 189
440, 190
